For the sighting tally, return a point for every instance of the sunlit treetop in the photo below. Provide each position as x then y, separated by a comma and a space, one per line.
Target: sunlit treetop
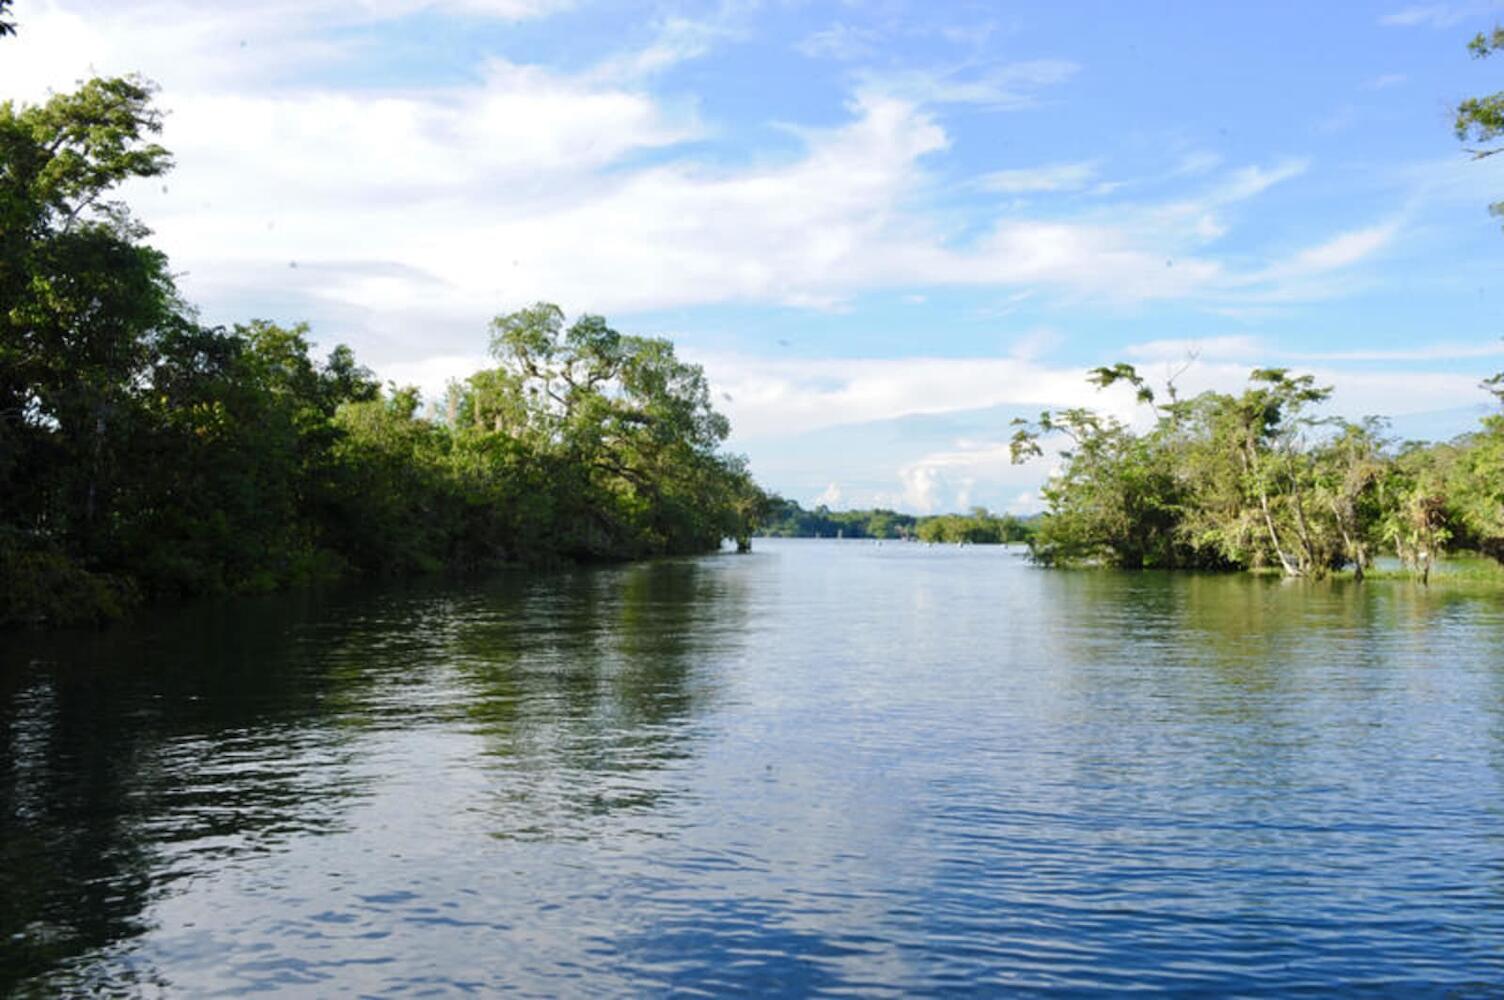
1480, 120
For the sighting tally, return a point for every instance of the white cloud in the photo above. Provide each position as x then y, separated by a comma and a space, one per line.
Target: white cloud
433, 375
1198, 162
1345, 248
840, 41
414, 214
1010, 86
1034, 343
1244, 348
1175, 351
920, 487
1249, 182
773, 397
774, 402
770, 398
1435, 15
186, 45
1055, 177
676, 40
1430, 352
946, 480
1292, 274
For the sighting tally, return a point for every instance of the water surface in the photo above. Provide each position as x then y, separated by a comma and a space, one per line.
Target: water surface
827, 766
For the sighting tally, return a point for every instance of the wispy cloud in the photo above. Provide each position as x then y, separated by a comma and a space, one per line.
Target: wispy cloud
1053, 177
1293, 275
1246, 348
840, 41
777, 402
1434, 15
1009, 86
1238, 346
676, 40
1431, 352
1345, 249
431, 208
189, 46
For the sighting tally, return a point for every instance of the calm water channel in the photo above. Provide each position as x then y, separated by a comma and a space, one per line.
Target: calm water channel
827, 766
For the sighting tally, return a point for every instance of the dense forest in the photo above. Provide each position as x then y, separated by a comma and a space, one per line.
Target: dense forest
1260, 479
786, 519
144, 454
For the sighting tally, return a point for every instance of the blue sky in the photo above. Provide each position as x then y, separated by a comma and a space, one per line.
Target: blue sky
884, 228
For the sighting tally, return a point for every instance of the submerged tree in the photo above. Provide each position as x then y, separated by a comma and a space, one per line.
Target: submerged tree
1416, 521
633, 423
1218, 481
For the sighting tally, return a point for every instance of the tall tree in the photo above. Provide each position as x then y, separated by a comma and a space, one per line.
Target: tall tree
1480, 120
83, 296
626, 415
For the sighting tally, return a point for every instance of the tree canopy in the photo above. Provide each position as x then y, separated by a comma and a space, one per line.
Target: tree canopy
1259, 479
143, 453
785, 518
1480, 120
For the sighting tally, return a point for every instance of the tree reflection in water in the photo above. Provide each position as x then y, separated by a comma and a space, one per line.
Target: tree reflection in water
139, 758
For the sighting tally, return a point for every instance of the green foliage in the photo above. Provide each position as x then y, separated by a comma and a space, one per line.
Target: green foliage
1480, 120
44, 587
1258, 480
978, 527
628, 424
143, 452
786, 519
82, 303
1473, 481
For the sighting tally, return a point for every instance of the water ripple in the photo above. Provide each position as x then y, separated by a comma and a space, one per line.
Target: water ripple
826, 768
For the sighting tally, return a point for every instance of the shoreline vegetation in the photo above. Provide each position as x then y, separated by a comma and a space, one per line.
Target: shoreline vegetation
786, 519
1261, 480
144, 455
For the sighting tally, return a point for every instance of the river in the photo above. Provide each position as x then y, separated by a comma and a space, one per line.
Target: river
822, 767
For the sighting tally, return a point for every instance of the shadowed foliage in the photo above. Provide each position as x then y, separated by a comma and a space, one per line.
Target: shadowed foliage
143, 453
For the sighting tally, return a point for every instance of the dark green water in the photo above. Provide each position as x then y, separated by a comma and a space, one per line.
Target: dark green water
823, 767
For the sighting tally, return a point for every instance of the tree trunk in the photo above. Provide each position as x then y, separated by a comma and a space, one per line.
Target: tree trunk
1250, 465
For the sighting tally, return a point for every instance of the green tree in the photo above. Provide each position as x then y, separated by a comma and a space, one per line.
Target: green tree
82, 301
1480, 120
141, 452
1349, 473
1219, 481
1416, 521
633, 423
1472, 484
